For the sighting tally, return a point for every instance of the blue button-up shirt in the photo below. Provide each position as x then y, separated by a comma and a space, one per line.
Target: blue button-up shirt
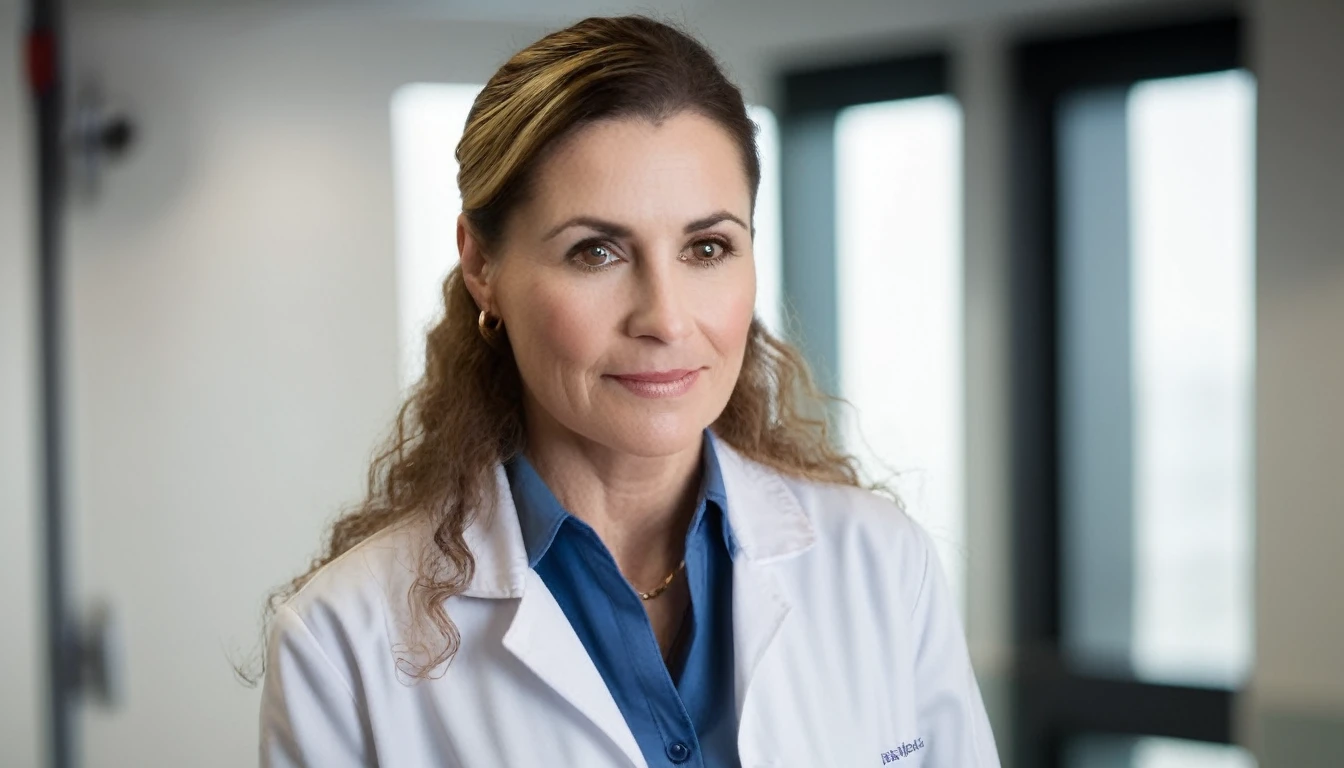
681, 712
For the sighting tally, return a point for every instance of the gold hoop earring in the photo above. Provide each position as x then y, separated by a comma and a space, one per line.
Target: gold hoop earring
489, 325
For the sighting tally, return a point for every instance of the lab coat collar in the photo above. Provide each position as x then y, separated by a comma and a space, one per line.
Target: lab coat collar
765, 517
769, 525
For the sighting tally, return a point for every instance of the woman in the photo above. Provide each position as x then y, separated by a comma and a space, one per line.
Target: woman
606, 531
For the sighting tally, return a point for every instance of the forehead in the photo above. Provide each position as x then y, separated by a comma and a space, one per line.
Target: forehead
637, 171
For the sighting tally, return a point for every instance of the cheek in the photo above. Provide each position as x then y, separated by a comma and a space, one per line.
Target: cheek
728, 317
554, 334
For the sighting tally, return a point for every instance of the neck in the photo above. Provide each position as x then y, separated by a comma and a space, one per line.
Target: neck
640, 506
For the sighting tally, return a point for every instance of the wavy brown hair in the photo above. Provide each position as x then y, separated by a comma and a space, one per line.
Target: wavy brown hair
465, 415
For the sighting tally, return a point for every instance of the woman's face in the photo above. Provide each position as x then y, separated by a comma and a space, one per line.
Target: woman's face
626, 283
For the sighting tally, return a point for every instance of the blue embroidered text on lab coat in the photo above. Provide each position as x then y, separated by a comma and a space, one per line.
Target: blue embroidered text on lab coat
905, 750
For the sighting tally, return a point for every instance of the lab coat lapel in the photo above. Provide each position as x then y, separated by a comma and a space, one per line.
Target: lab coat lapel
543, 640
770, 526
540, 635
759, 610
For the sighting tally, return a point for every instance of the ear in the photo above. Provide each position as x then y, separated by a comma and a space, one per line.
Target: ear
475, 266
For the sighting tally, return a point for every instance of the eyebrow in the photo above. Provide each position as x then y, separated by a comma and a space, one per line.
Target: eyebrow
612, 229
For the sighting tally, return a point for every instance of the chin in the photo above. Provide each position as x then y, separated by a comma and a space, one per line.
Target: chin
654, 434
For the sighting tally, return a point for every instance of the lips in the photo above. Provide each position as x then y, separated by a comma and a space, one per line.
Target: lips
655, 377
658, 384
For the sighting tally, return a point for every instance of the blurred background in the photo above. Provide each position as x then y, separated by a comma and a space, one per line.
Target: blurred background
1078, 265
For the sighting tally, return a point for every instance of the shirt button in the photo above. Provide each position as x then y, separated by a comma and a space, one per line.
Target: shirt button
678, 752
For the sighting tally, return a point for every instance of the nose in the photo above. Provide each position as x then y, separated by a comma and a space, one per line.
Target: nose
662, 310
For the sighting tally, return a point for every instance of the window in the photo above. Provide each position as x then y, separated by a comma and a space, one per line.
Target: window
1193, 274
899, 260
1134, 312
873, 273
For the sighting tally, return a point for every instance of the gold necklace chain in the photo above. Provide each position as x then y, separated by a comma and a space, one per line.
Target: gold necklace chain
661, 588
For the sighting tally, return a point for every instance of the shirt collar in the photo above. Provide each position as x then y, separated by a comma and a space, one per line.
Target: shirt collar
712, 490
540, 513
769, 524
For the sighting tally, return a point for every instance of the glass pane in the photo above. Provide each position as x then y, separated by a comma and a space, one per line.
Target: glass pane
1193, 271
427, 122
1156, 344
1131, 752
899, 274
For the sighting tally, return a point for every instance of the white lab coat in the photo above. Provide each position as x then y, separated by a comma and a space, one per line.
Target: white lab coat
847, 647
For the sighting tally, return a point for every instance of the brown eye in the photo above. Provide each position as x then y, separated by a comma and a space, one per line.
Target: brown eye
595, 256
707, 250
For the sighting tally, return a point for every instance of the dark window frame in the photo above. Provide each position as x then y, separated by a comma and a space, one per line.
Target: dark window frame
831, 89
1053, 701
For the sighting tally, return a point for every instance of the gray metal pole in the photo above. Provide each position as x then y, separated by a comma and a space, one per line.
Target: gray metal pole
45, 80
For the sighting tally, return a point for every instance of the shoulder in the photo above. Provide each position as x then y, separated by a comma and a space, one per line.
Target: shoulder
359, 600
784, 512
832, 507
845, 515
864, 536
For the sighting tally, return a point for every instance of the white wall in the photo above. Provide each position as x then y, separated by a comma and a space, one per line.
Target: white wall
981, 82
1300, 371
21, 662
235, 337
